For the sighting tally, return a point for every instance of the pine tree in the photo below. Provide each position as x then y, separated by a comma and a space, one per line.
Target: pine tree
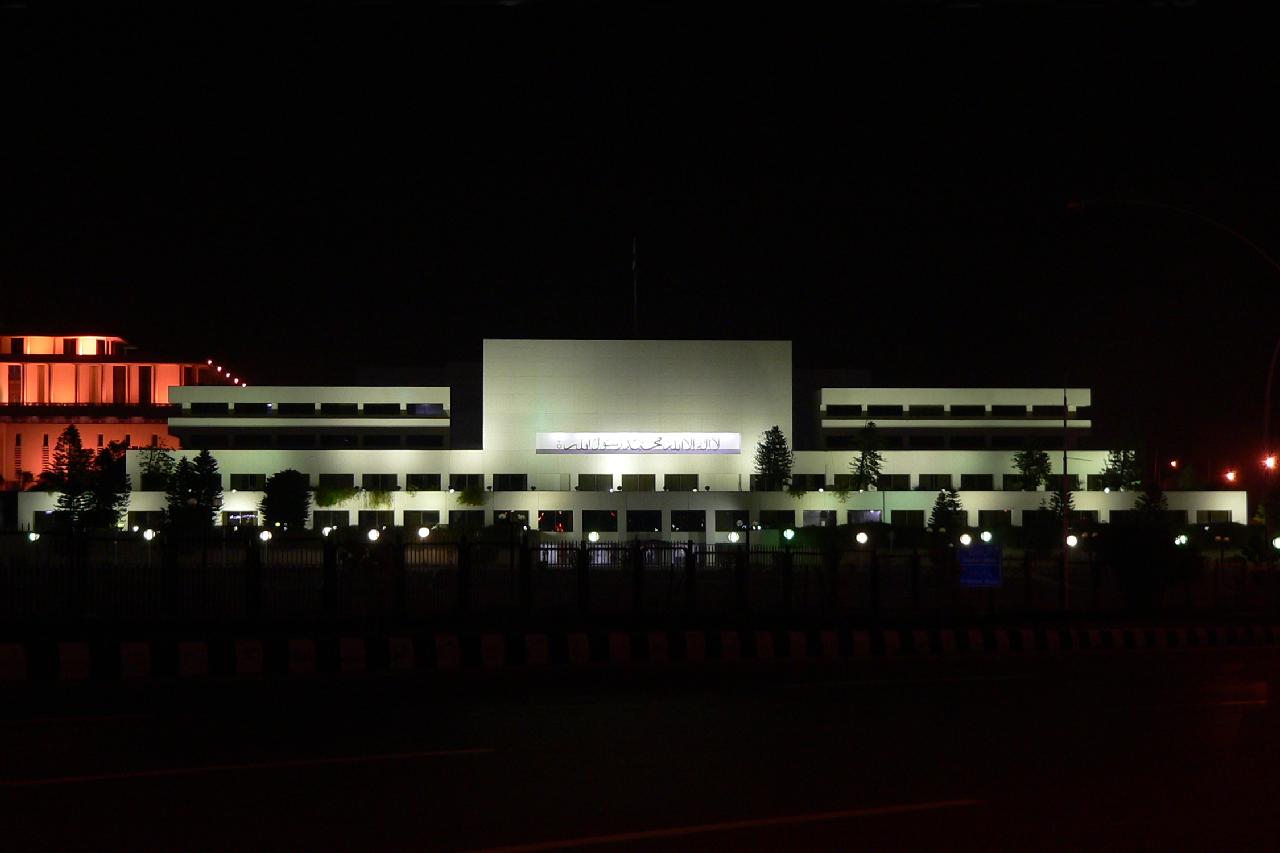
866, 467
947, 513
69, 474
286, 499
774, 460
180, 496
1121, 471
109, 487
208, 488
1034, 466
1055, 503
1152, 502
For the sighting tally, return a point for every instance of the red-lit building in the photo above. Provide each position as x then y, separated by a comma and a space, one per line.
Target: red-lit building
100, 383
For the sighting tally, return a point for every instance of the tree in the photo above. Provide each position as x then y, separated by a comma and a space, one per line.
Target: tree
1152, 504
947, 512
1034, 466
70, 475
774, 460
109, 487
1121, 471
180, 497
286, 499
866, 467
208, 488
156, 467
1055, 503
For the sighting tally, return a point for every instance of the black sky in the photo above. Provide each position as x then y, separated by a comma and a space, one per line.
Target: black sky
386, 184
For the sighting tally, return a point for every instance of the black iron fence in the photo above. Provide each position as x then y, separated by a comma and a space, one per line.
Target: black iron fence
62, 578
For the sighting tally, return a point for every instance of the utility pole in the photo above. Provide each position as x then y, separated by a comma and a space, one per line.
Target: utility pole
1066, 507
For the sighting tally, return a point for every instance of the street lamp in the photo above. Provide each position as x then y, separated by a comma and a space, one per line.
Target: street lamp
265, 536
1072, 540
1230, 476
593, 537
148, 534
862, 537
734, 537
374, 535
966, 539
788, 534
326, 531
985, 536
424, 532
33, 537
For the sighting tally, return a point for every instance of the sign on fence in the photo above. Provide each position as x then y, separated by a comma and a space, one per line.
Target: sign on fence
980, 565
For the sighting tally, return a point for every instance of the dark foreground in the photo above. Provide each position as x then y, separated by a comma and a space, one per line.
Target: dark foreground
1159, 750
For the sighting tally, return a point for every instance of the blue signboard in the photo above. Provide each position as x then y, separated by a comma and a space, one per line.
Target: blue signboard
980, 565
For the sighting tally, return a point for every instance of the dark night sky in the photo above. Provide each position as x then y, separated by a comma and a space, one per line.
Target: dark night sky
388, 185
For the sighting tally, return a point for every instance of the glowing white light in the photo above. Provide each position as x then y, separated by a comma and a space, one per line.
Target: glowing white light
148, 534
1072, 540
1275, 543
788, 534
33, 536
734, 537
265, 536
374, 535
135, 528
862, 537
424, 532
450, 490
821, 490
326, 531
985, 536
966, 539
593, 537
1106, 490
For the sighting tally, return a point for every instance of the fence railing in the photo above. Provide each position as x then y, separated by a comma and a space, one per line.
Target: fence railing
238, 580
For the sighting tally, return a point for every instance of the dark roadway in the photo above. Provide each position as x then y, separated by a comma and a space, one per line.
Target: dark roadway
1158, 750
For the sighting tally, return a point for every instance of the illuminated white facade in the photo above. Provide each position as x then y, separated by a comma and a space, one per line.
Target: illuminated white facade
636, 439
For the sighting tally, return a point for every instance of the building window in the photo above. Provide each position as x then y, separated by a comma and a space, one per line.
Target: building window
864, 516
934, 482
1009, 411
1047, 411
68, 346
17, 346
844, 410
967, 411
208, 408
595, 482
644, 520
295, 441
381, 440
415, 518
379, 482
336, 440
842, 482
928, 442
248, 482
248, 518
893, 482
1094, 482
1053, 482
376, 518
339, 409
422, 482
967, 442
511, 517
423, 440
600, 520
252, 409
688, 521
731, 519
639, 483
1012, 482
427, 410
1211, 516
777, 519
808, 482
819, 518
460, 482
977, 483
929, 411
994, 519
556, 521
511, 482
296, 409
154, 519
337, 481
322, 518
680, 482
881, 411
913, 518
382, 409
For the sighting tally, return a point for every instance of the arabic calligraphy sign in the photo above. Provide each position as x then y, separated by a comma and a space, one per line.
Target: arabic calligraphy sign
638, 442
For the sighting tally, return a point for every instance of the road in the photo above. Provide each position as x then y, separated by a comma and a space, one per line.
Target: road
1160, 750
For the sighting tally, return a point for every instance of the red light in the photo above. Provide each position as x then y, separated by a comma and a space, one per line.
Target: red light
1270, 462
1173, 463
1231, 476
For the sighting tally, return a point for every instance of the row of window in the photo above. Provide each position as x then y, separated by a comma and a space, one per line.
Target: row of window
670, 482
329, 409
650, 520
265, 440
934, 410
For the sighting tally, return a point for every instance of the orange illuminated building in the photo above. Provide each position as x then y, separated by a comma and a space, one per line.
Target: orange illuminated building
97, 382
